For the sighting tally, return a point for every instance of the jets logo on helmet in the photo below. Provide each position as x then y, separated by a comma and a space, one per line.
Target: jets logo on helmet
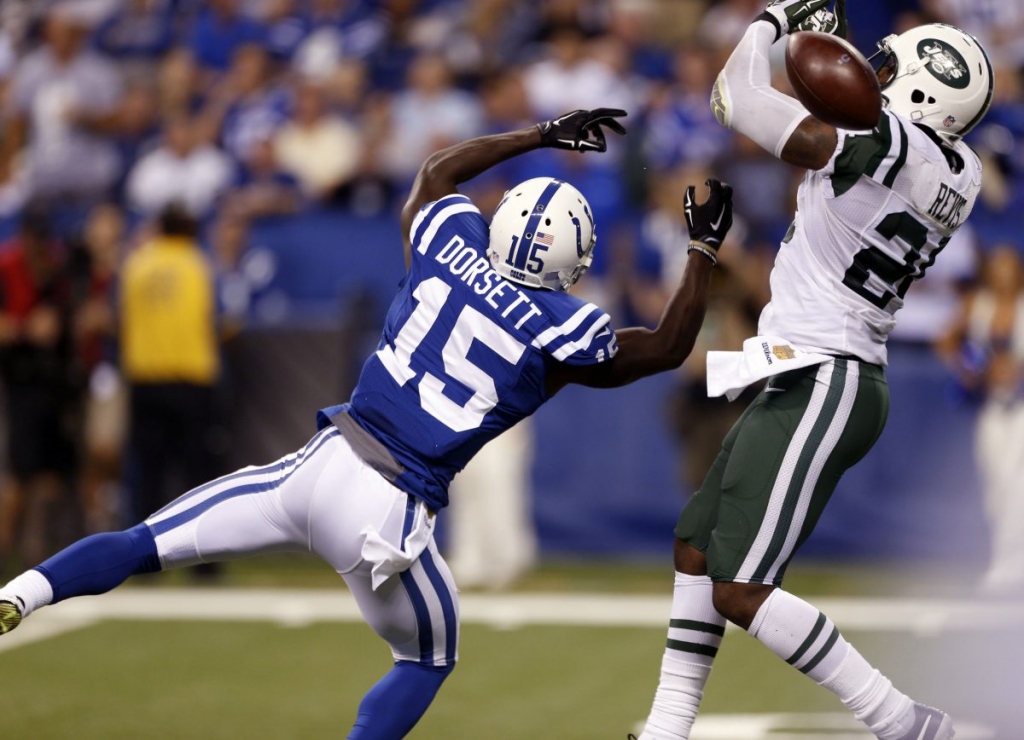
945, 63
542, 235
938, 76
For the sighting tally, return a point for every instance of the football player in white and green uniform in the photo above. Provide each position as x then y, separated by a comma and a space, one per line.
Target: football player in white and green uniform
875, 210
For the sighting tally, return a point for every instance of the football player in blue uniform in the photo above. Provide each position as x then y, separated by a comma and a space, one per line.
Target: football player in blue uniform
483, 331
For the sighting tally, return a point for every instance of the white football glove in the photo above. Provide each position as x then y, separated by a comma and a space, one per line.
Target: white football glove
789, 16
827, 21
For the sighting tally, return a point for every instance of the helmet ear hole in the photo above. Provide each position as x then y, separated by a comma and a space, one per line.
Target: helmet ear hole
547, 222
917, 97
524, 213
931, 101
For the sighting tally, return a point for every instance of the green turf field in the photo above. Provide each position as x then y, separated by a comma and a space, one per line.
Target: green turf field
197, 679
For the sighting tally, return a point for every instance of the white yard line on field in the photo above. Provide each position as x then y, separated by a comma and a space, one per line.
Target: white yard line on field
296, 608
801, 727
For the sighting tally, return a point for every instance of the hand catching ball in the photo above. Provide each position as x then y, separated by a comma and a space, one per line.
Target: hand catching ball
833, 81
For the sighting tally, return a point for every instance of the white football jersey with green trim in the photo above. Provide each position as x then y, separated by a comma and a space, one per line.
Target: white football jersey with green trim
867, 225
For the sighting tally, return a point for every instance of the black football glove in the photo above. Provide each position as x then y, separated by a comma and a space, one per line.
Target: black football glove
581, 130
709, 221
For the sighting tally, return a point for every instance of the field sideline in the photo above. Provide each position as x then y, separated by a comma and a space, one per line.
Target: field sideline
141, 634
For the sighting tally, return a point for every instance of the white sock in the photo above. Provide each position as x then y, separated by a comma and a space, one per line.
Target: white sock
29, 591
694, 635
809, 641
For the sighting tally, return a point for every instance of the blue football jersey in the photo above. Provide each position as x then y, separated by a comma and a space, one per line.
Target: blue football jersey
464, 352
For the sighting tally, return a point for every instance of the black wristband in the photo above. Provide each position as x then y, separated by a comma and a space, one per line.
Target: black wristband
766, 16
709, 253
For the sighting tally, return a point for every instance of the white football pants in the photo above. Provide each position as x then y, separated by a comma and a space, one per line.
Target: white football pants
1000, 451
324, 499
492, 537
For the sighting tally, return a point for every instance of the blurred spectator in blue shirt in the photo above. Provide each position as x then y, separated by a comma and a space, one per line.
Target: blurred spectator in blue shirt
998, 142
339, 29
391, 59
287, 26
480, 38
229, 243
59, 91
133, 125
182, 170
140, 29
428, 115
219, 30
252, 105
263, 187
768, 196
681, 129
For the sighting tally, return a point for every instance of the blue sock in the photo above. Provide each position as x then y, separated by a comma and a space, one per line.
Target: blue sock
97, 564
395, 704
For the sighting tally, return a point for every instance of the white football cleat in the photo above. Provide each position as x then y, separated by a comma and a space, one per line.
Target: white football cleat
930, 724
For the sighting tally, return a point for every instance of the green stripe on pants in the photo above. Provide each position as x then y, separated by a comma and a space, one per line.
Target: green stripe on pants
735, 503
796, 483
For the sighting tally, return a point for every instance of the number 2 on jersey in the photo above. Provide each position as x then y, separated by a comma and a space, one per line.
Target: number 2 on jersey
897, 276
431, 296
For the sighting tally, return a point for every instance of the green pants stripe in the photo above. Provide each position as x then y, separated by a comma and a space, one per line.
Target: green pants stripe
779, 466
801, 468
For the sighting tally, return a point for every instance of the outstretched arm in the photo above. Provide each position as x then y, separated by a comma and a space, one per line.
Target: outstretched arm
745, 101
644, 352
443, 171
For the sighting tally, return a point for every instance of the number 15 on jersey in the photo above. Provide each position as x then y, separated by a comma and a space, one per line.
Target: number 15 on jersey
471, 325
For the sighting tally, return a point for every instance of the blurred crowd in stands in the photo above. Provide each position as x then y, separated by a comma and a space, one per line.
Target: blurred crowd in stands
226, 113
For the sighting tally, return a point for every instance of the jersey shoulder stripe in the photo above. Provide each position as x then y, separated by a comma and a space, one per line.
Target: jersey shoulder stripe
879, 154
553, 333
584, 338
435, 215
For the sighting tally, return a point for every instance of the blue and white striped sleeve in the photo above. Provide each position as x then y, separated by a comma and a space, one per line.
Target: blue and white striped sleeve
436, 214
586, 338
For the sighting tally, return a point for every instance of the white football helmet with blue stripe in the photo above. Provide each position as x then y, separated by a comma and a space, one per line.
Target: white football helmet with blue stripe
542, 235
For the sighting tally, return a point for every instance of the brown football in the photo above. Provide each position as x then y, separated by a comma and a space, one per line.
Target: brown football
833, 80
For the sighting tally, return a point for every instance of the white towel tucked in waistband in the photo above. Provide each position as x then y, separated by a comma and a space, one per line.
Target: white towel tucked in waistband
730, 372
386, 558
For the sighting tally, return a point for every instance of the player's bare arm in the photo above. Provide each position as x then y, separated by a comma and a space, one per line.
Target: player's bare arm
644, 352
811, 145
444, 171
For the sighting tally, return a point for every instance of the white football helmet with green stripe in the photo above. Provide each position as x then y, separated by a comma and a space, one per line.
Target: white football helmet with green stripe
938, 76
